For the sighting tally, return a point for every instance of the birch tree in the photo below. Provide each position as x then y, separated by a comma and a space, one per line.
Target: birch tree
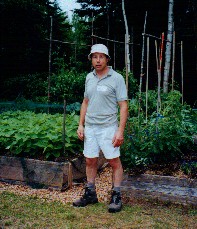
126, 38
168, 46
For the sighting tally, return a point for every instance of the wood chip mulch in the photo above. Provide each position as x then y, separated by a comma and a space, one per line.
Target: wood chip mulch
103, 188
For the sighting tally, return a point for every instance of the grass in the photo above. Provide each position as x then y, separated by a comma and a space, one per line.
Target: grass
32, 212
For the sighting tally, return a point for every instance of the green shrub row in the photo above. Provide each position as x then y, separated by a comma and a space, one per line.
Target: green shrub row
39, 135
166, 136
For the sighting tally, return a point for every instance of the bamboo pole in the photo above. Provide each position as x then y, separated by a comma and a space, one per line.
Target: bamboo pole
159, 79
147, 74
126, 64
114, 56
64, 128
161, 51
160, 73
173, 60
142, 68
120, 42
158, 91
66, 42
182, 83
92, 27
114, 44
154, 37
50, 50
107, 21
132, 49
70, 175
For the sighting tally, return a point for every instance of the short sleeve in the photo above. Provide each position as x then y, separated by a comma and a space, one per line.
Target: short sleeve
85, 92
121, 91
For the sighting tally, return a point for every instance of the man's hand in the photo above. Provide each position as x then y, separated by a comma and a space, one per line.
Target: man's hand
118, 139
80, 132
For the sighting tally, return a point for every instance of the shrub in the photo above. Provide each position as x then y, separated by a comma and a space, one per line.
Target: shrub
67, 85
190, 168
24, 133
163, 138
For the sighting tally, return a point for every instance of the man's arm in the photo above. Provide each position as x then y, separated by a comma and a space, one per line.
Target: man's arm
119, 135
83, 110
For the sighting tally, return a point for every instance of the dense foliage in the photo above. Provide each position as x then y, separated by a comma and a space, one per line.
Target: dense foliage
24, 133
25, 28
165, 137
69, 85
65, 84
106, 20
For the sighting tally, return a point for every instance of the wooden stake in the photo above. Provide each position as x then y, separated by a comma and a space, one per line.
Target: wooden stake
142, 68
70, 175
160, 72
182, 68
147, 72
114, 56
92, 27
126, 63
161, 51
159, 80
132, 49
64, 128
50, 50
173, 61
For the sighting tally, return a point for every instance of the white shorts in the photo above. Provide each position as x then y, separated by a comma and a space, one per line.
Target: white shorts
100, 138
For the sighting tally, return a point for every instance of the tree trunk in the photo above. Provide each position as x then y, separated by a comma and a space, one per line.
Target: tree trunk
127, 38
168, 47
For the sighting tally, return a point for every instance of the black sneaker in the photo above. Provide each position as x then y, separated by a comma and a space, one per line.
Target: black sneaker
89, 197
116, 203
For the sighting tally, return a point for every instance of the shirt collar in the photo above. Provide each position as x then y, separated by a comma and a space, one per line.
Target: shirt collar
108, 74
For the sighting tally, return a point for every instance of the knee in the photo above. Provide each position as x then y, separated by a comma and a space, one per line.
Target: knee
115, 163
91, 162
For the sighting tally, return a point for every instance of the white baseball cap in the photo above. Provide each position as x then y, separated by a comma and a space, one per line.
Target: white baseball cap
99, 48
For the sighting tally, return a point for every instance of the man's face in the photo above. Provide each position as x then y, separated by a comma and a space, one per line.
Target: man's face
99, 61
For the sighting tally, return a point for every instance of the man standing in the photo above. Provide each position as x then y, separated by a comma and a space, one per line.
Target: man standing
105, 90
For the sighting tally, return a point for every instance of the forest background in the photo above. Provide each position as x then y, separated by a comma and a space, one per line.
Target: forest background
25, 33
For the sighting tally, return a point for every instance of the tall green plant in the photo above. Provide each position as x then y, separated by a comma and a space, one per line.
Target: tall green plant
165, 137
69, 85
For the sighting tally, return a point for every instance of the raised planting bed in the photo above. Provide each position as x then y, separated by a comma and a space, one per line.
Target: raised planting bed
42, 173
162, 188
60, 175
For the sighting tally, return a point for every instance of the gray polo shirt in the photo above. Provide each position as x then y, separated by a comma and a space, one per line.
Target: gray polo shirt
103, 95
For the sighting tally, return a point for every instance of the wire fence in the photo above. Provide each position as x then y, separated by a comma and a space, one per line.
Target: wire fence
39, 107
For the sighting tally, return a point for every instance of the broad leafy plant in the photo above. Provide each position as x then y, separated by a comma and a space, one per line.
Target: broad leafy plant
38, 135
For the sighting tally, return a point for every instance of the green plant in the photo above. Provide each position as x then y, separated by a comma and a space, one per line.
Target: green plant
164, 137
38, 135
190, 168
23, 104
67, 85
132, 83
31, 86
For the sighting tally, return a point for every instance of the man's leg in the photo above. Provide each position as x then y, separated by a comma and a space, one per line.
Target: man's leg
116, 203
91, 169
117, 171
89, 196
